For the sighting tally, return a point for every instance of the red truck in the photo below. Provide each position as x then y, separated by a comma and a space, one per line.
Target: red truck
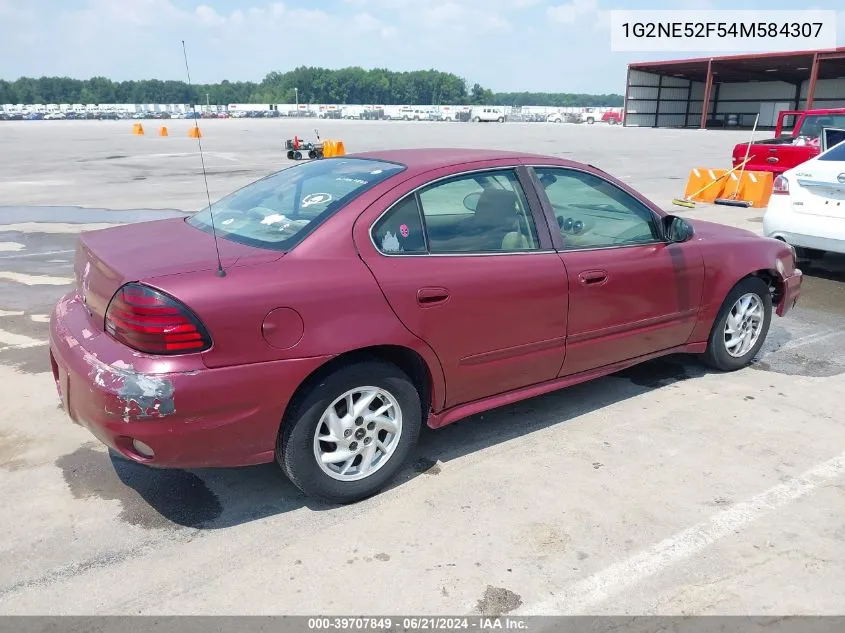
796, 140
612, 117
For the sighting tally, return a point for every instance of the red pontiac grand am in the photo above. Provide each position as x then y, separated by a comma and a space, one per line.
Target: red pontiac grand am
366, 295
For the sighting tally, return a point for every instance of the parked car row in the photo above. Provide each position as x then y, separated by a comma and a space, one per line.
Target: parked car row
588, 116
477, 114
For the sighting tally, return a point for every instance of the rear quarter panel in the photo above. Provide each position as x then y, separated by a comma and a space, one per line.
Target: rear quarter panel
323, 281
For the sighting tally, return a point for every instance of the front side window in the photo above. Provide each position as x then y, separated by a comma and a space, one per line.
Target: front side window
593, 213
276, 212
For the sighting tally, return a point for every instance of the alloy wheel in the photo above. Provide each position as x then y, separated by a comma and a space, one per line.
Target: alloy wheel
358, 433
743, 325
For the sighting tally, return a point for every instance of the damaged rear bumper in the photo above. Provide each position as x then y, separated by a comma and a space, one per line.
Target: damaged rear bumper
190, 416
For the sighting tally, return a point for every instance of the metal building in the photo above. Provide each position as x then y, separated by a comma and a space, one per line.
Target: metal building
734, 88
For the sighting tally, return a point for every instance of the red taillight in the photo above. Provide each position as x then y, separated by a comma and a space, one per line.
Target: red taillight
150, 321
780, 186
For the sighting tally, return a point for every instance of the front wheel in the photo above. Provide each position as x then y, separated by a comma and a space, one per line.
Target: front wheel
501, 119
591, 120
741, 326
351, 432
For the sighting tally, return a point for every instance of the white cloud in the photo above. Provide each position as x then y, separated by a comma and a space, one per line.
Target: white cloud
242, 39
369, 24
209, 16
572, 11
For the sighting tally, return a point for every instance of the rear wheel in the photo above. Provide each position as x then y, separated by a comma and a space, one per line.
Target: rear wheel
351, 432
591, 120
741, 326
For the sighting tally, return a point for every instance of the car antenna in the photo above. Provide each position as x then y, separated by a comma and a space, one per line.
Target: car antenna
220, 271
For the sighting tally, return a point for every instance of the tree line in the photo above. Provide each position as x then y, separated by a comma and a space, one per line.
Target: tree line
351, 85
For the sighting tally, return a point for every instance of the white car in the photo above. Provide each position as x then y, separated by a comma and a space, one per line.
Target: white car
807, 206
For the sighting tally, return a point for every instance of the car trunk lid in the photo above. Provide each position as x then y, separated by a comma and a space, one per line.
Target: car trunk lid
821, 190
108, 258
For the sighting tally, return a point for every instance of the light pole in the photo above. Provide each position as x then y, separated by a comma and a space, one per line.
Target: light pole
296, 96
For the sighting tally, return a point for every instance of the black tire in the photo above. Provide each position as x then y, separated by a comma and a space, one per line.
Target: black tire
591, 120
295, 450
717, 355
501, 119
476, 119
297, 155
312, 154
290, 154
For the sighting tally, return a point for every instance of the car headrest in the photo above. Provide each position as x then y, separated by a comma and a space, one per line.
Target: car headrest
496, 206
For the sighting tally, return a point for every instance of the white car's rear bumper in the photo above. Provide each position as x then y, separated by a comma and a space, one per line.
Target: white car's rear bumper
805, 230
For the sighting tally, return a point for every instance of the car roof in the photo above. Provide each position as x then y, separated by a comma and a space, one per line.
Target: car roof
422, 159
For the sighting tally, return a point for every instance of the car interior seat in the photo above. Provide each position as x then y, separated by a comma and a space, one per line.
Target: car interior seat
495, 217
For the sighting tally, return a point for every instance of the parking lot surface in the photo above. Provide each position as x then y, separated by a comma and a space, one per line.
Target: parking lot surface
664, 489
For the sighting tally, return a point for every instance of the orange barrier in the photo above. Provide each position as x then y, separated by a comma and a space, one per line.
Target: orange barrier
163, 131
329, 148
698, 181
194, 132
754, 187
137, 129
339, 149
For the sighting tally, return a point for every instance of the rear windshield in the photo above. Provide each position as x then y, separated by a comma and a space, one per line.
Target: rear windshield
837, 152
279, 210
813, 124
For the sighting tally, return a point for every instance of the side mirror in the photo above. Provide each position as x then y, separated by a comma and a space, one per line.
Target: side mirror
677, 229
471, 200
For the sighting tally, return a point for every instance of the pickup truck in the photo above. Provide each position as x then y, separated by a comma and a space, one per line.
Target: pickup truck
796, 140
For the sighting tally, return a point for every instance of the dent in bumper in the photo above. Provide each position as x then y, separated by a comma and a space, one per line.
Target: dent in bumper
137, 396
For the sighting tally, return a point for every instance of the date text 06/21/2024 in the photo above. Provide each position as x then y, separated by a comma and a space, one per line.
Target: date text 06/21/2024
475, 623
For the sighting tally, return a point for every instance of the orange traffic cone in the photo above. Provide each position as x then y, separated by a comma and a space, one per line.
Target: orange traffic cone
194, 132
138, 129
163, 131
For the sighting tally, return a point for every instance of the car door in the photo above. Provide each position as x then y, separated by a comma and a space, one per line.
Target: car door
467, 264
631, 293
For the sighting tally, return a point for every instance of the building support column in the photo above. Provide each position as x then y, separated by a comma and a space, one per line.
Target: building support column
625, 98
814, 75
708, 86
657, 105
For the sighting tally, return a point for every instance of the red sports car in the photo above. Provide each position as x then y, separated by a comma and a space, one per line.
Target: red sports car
357, 298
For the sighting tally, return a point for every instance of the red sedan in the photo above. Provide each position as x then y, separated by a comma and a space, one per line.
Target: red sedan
356, 298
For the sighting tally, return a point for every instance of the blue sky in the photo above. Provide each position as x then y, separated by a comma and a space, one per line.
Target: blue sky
537, 45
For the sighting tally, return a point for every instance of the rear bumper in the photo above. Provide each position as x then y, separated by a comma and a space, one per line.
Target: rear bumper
191, 416
805, 230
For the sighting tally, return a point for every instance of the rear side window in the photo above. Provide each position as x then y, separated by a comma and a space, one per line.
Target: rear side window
400, 230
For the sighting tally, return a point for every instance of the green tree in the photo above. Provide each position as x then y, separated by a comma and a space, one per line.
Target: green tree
351, 85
